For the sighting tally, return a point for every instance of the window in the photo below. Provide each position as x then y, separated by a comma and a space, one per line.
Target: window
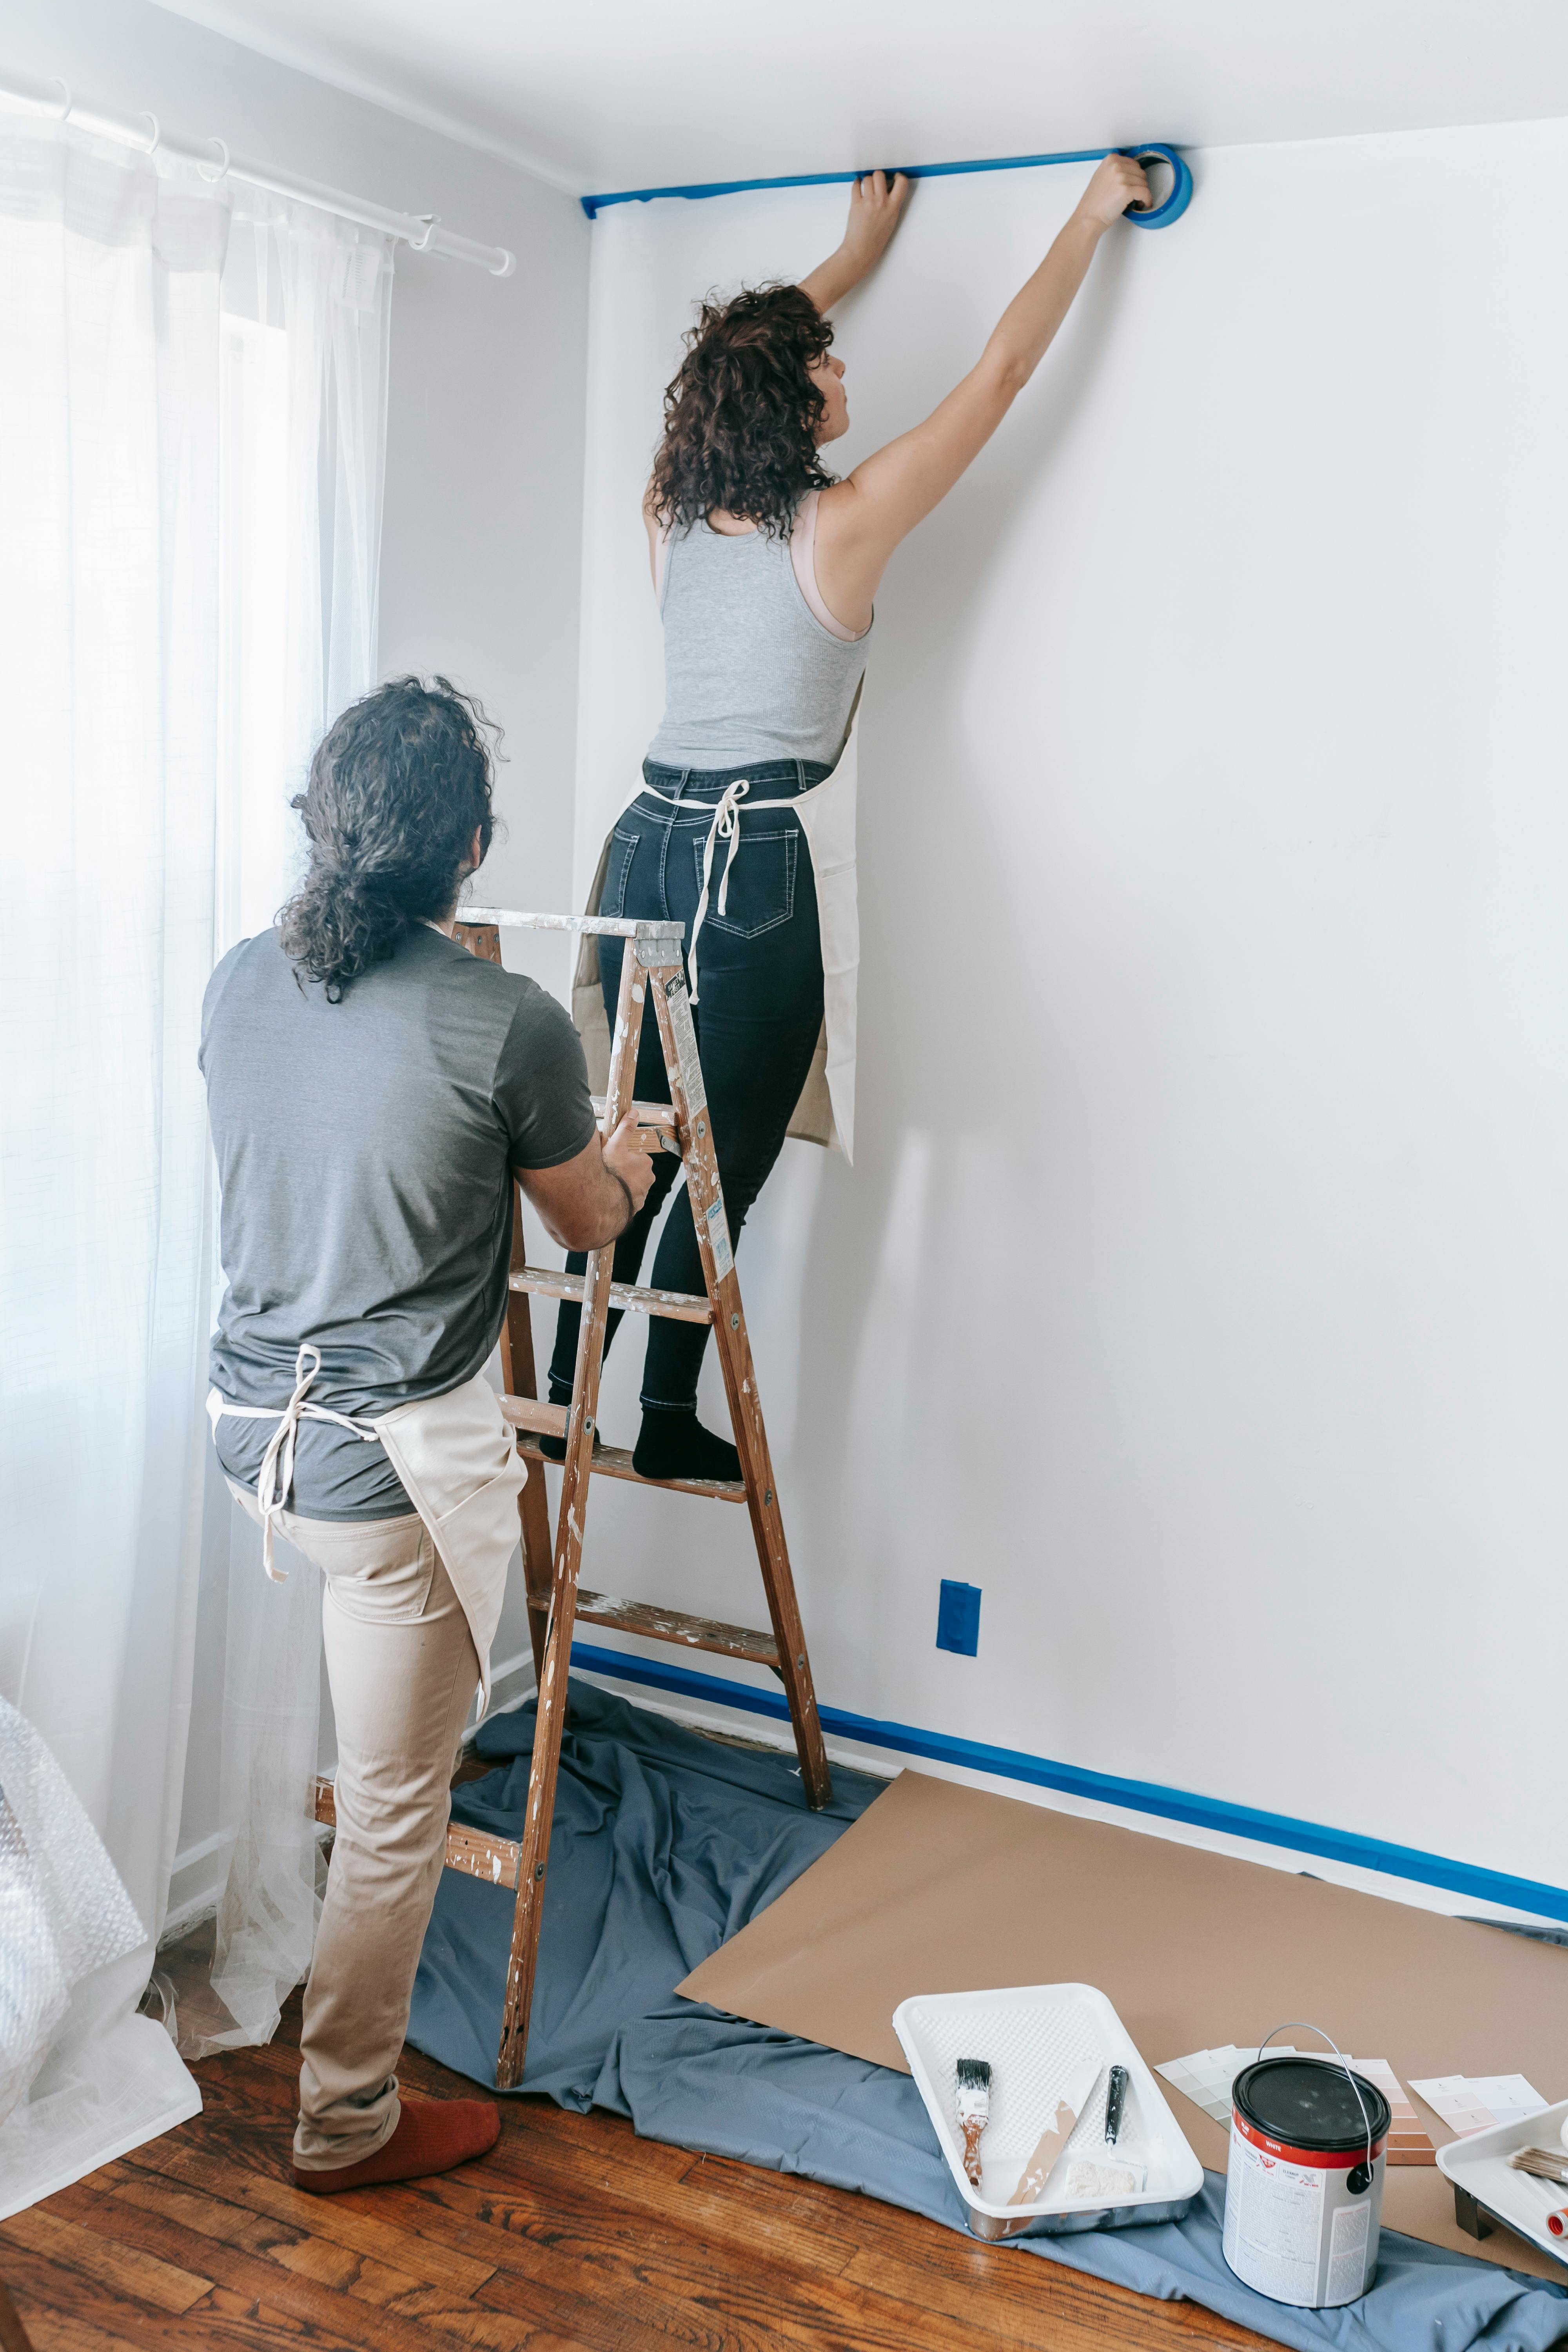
253, 815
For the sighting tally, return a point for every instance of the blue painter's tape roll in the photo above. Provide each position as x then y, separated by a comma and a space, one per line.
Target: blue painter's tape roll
1181, 196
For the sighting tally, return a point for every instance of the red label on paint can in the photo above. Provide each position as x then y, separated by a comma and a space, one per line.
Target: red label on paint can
1337, 2159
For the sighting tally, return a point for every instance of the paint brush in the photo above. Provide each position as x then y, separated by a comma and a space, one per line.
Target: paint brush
973, 2087
1541, 2164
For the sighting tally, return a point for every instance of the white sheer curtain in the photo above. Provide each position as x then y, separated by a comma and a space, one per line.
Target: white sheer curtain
176, 622
308, 305
109, 682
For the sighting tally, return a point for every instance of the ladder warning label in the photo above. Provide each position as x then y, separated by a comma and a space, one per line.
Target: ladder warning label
685, 1030
719, 1239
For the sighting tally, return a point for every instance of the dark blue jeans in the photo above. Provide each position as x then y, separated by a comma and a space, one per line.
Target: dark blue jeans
758, 1017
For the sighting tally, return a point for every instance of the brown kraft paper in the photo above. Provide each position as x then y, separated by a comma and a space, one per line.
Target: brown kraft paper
940, 1888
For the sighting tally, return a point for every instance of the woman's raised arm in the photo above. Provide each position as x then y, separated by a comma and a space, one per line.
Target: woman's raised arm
861, 520
875, 204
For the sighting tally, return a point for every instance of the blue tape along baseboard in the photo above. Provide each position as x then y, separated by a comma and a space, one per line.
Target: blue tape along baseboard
1102, 1788
1160, 217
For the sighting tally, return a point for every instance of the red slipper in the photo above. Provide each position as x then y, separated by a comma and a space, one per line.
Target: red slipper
432, 2135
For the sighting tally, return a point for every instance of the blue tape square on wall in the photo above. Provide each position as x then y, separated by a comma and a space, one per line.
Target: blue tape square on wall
957, 1618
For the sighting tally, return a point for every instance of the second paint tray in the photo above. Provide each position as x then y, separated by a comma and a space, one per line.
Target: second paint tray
1483, 2179
1041, 2041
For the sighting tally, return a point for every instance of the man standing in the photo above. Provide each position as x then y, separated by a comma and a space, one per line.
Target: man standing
372, 1088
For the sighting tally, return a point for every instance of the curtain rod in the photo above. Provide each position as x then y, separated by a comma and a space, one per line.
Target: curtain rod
213, 160
1168, 212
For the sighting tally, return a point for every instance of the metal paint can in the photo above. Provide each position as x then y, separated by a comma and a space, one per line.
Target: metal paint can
1303, 2192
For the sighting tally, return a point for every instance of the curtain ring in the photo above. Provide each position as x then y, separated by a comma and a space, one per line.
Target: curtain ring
66, 102
212, 178
422, 244
151, 146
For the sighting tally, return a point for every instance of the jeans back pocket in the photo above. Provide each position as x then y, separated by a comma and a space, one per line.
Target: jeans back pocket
762, 889
618, 872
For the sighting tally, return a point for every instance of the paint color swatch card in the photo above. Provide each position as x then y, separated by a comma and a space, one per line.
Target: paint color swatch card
1206, 2076
1408, 2140
1473, 2103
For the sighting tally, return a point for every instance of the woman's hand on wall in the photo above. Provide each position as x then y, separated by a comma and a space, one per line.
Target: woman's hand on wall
876, 205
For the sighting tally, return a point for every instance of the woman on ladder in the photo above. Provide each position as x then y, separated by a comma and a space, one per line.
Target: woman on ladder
766, 570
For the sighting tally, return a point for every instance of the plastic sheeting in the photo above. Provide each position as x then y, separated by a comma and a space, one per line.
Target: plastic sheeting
664, 1844
79, 2081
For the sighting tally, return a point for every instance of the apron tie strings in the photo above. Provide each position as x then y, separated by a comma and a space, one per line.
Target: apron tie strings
726, 826
275, 1481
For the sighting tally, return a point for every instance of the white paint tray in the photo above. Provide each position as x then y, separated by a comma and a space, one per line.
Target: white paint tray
1486, 2187
1039, 2040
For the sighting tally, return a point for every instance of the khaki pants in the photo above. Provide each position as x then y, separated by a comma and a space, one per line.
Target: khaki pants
402, 1671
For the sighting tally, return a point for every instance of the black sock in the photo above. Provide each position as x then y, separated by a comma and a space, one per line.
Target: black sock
675, 1445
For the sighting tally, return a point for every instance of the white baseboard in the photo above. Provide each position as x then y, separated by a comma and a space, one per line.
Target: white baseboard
196, 1884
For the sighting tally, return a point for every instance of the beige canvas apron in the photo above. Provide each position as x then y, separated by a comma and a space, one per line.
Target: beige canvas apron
458, 1462
825, 1112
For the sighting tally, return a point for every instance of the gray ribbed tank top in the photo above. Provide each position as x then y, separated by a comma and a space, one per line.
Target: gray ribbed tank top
755, 668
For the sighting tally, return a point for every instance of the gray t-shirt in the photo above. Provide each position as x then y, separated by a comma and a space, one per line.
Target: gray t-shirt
364, 1149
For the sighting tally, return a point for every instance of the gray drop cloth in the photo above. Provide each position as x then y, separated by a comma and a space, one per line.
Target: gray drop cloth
664, 1844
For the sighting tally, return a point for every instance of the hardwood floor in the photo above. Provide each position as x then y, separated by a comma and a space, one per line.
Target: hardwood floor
572, 2236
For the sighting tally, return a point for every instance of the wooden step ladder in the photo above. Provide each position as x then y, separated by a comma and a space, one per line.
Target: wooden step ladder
651, 967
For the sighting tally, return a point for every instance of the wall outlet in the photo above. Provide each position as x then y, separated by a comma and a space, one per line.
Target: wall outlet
957, 1618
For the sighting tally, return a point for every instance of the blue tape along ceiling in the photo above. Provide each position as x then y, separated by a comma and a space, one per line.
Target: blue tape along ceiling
1169, 208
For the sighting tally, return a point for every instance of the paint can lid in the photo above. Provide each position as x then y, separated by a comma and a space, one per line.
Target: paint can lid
1307, 2102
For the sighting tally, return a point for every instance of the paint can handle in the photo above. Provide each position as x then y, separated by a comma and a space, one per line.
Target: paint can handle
1302, 2025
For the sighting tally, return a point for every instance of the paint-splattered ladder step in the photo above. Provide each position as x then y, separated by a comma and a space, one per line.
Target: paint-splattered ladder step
657, 1624
611, 1461
655, 1123
681, 1305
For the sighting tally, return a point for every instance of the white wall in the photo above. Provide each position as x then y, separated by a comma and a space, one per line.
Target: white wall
1201, 1287
481, 536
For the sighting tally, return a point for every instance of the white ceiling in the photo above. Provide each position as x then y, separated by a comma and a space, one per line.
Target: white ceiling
605, 94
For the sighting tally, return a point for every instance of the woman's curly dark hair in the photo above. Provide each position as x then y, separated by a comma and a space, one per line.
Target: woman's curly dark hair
398, 786
742, 415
